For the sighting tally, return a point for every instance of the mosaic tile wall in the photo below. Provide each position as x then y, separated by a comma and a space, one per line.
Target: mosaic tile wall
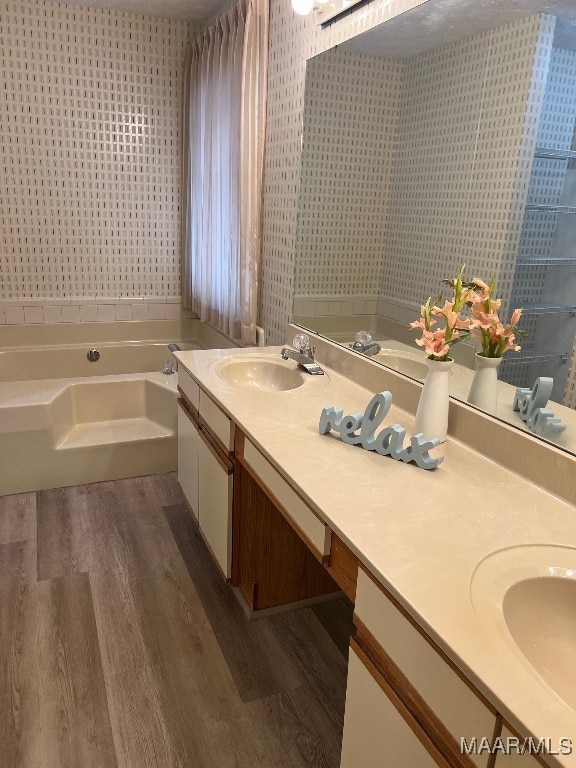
89, 163
546, 235
293, 40
456, 194
445, 202
350, 111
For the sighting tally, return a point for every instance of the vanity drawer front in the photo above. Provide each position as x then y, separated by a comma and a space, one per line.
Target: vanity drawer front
189, 387
375, 734
304, 518
217, 421
456, 705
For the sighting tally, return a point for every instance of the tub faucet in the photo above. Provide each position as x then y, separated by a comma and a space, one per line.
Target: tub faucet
303, 354
171, 366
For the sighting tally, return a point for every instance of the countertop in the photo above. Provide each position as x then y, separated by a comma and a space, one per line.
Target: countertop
421, 533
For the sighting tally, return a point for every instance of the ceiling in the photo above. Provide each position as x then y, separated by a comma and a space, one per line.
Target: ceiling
196, 11
438, 22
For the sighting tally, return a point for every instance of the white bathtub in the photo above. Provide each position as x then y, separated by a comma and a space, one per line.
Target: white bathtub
61, 351
60, 424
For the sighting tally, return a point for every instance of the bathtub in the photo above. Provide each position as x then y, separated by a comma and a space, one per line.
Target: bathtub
67, 421
61, 351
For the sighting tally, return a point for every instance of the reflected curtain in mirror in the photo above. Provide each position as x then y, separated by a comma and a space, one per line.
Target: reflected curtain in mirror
223, 160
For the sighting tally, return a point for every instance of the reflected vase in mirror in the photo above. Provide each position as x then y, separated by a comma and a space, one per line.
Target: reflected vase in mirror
483, 392
432, 413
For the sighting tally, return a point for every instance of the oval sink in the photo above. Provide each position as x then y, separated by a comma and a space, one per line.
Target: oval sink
541, 616
406, 362
261, 375
526, 596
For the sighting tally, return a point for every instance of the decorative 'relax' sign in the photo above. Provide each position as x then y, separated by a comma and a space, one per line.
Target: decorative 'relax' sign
531, 403
361, 430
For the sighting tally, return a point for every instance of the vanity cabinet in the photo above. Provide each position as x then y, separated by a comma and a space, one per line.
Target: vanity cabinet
205, 468
378, 733
188, 449
279, 542
420, 705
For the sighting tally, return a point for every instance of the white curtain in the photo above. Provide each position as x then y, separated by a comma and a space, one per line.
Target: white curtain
224, 127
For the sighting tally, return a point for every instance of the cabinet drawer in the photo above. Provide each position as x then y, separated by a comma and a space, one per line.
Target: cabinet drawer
306, 521
457, 706
375, 734
217, 421
189, 387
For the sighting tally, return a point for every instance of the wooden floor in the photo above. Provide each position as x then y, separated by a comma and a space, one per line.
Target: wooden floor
121, 646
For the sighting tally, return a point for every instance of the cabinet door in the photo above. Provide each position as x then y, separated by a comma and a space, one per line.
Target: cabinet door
188, 445
375, 733
215, 505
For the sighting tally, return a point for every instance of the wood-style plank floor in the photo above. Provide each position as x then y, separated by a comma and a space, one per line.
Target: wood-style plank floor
120, 646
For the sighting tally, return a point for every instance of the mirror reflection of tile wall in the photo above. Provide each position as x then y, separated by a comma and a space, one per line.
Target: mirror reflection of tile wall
386, 214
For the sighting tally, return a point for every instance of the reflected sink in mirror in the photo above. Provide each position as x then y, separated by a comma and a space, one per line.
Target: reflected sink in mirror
261, 375
409, 363
525, 597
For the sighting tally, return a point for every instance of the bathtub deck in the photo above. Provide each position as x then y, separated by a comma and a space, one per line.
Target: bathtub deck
121, 645
113, 432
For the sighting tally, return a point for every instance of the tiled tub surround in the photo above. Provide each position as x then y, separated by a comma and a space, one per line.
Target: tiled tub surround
66, 421
402, 522
82, 309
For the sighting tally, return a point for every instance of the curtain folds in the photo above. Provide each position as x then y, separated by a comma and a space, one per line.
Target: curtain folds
223, 166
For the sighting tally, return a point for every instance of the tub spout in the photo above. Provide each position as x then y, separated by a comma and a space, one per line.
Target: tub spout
171, 366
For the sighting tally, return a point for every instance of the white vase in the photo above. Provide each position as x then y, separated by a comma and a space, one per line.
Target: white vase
432, 413
484, 389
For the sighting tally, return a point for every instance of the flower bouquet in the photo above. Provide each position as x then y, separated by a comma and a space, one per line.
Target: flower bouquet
471, 312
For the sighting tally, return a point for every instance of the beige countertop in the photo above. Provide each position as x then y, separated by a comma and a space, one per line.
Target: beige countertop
421, 533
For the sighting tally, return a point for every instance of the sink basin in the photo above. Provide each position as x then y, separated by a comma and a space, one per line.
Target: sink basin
261, 375
406, 362
526, 597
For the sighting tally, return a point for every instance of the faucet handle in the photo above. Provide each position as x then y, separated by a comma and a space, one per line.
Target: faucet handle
301, 342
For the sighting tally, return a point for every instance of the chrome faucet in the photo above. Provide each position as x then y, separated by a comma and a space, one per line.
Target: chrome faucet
171, 366
303, 354
365, 345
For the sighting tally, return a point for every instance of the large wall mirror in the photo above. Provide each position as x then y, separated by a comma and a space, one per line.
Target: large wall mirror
446, 136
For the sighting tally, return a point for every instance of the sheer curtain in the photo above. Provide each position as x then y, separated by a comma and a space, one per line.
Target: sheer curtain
224, 127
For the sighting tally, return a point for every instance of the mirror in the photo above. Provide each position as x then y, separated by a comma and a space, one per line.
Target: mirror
442, 137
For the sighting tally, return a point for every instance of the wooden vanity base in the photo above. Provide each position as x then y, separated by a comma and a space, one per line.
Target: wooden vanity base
272, 566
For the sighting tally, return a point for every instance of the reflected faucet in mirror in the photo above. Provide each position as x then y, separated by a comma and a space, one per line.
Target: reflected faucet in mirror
365, 345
